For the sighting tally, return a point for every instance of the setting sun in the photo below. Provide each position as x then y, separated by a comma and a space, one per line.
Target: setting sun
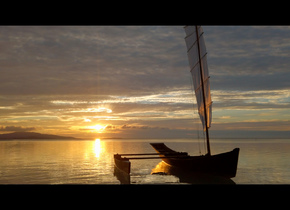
99, 128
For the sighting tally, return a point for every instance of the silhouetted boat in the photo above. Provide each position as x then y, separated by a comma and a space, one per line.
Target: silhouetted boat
122, 164
163, 168
224, 164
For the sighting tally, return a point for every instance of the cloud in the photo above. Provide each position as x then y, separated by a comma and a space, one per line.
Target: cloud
111, 60
248, 58
126, 126
137, 75
110, 127
260, 99
16, 128
275, 81
133, 60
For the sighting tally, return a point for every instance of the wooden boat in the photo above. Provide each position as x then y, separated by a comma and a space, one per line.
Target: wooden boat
122, 163
224, 164
184, 176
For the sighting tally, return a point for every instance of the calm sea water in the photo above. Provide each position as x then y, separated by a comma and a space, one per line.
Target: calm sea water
91, 162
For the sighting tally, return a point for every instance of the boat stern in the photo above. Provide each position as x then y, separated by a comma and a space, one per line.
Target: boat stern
122, 164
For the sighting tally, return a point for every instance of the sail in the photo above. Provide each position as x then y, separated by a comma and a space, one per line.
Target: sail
194, 58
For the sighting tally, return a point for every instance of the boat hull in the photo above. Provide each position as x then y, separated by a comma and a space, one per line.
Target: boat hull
224, 164
122, 164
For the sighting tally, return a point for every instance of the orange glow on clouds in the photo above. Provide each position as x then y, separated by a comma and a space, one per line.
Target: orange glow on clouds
98, 128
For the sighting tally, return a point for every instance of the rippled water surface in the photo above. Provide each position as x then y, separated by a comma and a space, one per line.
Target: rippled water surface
91, 162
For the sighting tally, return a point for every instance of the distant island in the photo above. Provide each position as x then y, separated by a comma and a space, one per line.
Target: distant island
33, 135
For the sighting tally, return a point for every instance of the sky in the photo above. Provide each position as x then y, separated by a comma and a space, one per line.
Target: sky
134, 81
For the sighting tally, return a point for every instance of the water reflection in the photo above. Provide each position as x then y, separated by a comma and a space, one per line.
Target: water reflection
56, 162
123, 177
97, 148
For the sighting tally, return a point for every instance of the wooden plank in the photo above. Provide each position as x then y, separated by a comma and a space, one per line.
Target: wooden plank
140, 158
165, 153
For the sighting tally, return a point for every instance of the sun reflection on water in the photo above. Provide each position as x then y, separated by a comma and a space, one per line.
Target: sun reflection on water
97, 147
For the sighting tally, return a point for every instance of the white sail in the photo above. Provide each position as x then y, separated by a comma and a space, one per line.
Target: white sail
193, 58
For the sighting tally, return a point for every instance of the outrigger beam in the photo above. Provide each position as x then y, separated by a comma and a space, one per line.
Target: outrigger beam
165, 153
123, 162
140, 158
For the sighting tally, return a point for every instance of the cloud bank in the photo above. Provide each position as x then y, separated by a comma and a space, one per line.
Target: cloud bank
16, 128
55, 78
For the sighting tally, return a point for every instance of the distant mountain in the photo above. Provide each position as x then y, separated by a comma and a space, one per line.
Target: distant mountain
31, 135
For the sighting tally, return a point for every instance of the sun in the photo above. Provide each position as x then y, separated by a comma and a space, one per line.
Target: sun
99, 128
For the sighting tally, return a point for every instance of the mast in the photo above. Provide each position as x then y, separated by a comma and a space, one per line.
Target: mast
203, 94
